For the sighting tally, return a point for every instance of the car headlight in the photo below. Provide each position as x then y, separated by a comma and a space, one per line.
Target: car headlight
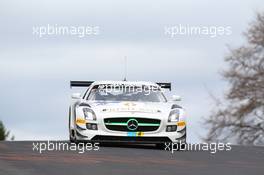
174, 115
89, 114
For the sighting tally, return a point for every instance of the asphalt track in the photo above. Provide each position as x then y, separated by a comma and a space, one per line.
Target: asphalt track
19, 158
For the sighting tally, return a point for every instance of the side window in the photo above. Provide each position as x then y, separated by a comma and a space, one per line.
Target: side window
89, 95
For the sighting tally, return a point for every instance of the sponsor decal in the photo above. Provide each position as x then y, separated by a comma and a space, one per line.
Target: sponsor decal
135, 134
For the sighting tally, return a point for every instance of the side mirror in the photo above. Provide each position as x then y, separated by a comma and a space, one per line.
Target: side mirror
176, 98
76, 96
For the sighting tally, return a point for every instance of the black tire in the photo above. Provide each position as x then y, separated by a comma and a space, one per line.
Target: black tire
162, 146
168, 146
71, 132
72, 140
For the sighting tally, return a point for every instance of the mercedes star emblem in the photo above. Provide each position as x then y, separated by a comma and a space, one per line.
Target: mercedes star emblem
132, 124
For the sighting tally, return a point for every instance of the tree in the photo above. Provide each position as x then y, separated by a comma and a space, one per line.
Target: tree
239, 117
3, 133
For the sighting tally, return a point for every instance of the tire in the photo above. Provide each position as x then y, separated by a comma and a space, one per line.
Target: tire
72, 139
161, 146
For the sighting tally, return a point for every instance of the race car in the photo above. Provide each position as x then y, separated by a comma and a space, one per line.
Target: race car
125, 111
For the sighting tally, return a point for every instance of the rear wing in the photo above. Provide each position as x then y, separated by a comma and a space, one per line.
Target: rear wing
88, 83
165, 85
80, 83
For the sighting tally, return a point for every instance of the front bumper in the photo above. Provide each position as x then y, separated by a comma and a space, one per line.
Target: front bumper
159, 136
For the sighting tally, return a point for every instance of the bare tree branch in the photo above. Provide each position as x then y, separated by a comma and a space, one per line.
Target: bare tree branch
240, 116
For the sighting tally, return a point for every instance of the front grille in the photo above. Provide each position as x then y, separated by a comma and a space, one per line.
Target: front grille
121, 124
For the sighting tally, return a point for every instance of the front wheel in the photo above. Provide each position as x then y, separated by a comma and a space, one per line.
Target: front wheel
163, 146
71, 136
168, 146
71, 132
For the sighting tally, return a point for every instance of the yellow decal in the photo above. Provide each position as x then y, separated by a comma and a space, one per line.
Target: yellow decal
80, 121
129, 104
181, 123
140, 134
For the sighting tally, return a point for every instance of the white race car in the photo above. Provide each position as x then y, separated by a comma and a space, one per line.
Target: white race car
125, 111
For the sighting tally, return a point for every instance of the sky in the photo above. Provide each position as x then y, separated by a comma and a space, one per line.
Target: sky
35, 71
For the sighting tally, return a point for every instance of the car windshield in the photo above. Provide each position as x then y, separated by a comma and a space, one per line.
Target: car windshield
124, 93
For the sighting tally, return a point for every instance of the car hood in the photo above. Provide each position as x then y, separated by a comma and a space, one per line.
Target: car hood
135, 107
